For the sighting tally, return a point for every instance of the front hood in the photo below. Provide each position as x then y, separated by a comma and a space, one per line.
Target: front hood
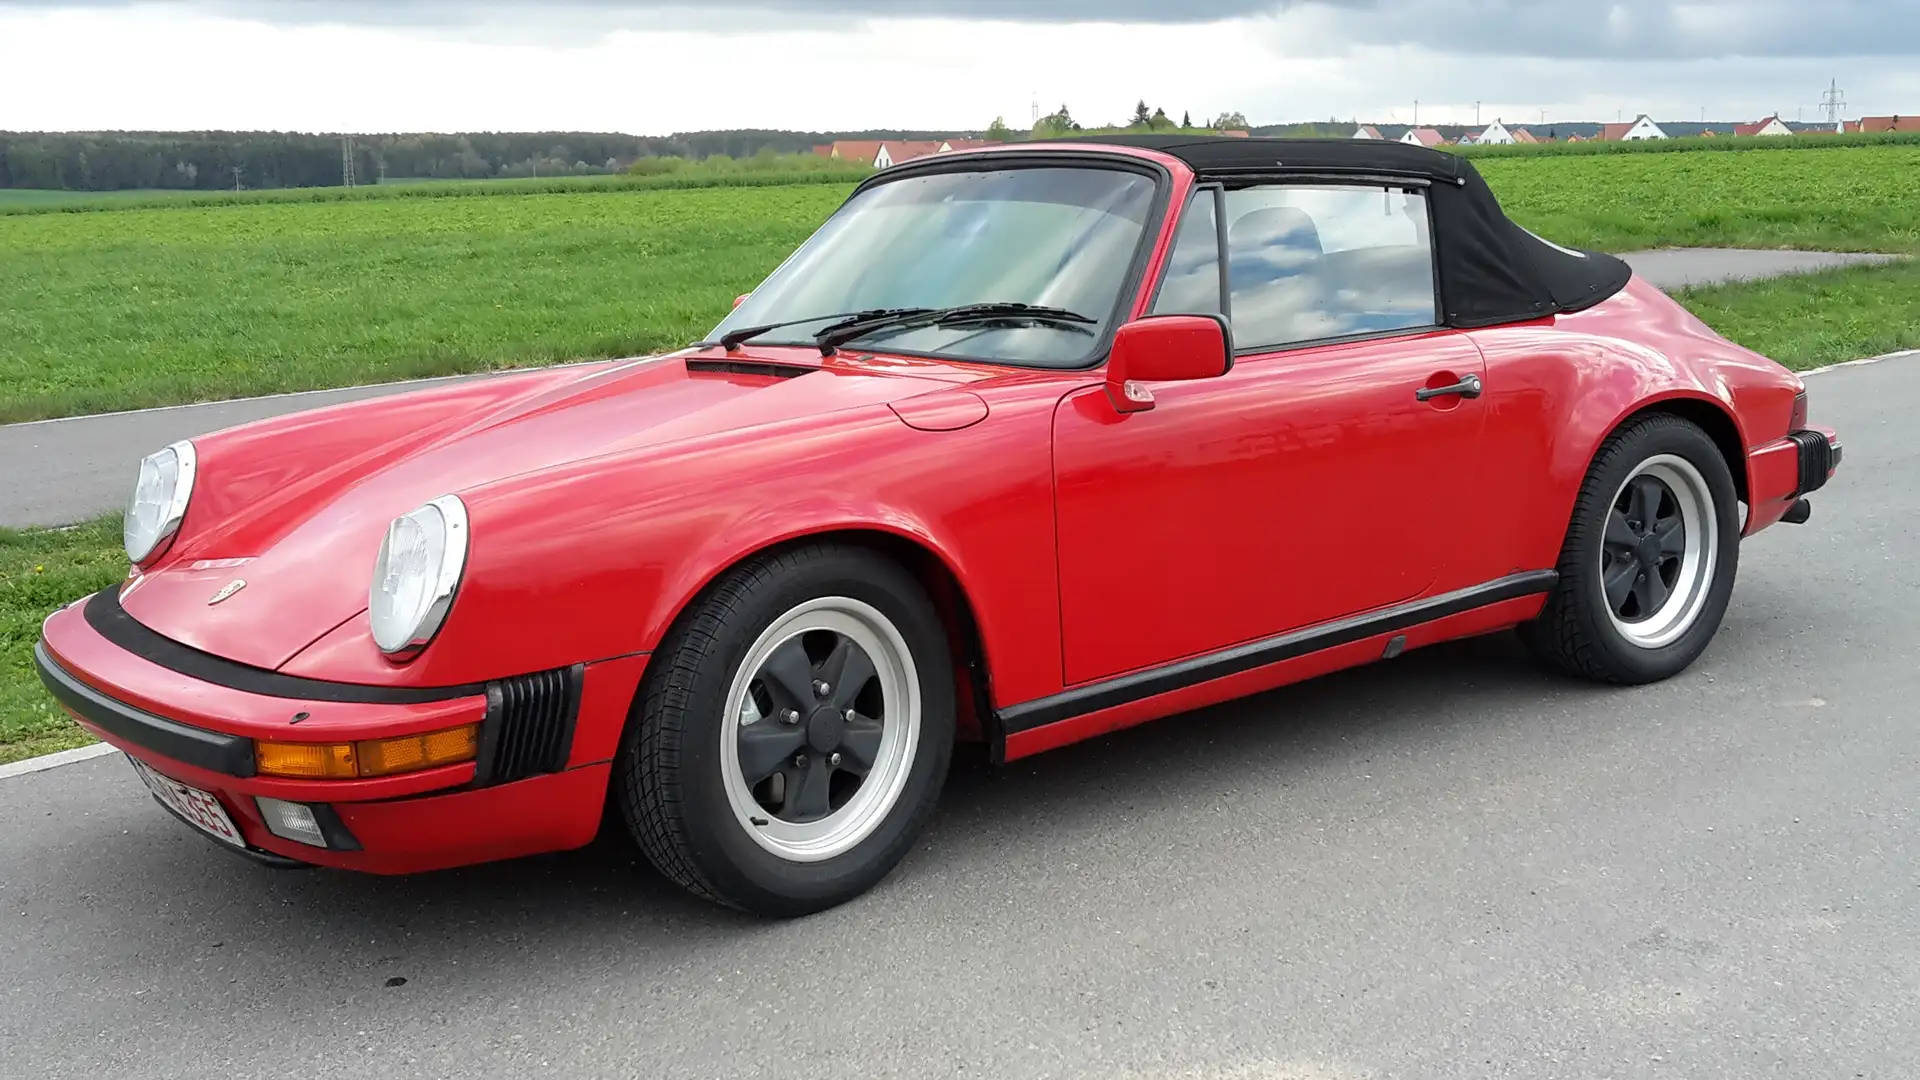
296, 507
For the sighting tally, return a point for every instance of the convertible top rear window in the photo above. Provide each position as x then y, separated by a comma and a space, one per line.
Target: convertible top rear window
1492, 271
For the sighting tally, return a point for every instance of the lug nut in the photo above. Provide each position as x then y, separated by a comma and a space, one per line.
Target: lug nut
790, 716
799, 761
821, 689
847, 716
833, 759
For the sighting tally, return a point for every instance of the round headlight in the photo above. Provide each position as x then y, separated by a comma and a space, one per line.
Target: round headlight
416, 574
159, 500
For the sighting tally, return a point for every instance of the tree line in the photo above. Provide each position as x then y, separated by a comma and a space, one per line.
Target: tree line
251, 160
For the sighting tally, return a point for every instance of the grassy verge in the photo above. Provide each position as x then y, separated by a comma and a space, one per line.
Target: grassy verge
40, 570
1817, 319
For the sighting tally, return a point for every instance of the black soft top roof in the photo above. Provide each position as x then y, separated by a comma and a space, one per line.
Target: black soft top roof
1491, 270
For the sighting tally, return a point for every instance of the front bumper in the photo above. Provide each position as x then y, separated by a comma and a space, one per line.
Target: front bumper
547, 741
1782, 473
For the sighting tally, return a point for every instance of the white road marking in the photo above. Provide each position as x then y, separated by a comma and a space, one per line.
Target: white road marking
54, 761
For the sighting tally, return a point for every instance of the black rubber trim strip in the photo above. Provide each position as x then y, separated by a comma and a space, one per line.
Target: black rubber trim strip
111, 621
210, 750
1178, 676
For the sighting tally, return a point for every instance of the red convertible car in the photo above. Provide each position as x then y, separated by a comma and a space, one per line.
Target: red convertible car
1022, 446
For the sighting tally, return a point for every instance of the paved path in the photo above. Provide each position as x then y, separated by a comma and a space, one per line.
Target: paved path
62, 471
1672, 268
1451, 865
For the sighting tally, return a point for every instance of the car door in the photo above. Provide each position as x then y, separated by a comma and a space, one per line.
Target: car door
1312, 481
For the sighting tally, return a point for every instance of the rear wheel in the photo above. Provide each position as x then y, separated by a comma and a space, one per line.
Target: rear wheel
1649, 560
793, 732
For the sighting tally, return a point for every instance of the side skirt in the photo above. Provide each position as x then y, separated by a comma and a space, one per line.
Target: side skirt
1081, 701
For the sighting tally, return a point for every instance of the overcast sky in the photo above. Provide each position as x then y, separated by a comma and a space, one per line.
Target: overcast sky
654, 68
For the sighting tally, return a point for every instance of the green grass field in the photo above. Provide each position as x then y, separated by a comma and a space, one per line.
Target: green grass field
161, 302
150, 305
39, 571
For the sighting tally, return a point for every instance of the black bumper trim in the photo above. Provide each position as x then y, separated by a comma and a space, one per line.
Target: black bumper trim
210, 750
111, 621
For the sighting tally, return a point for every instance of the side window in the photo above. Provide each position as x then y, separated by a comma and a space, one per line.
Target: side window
1310, 262
1190, 285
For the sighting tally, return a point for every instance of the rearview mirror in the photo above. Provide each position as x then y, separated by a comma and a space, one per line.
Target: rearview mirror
1165, 348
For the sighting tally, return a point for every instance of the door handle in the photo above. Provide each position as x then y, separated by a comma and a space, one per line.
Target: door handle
1468, 387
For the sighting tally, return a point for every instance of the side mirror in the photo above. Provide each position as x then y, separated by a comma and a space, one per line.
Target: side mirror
1165, 348
741, 299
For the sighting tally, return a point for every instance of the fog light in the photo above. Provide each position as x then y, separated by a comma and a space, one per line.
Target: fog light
291, 821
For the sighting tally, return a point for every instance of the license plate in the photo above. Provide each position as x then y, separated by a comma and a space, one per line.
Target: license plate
197, 808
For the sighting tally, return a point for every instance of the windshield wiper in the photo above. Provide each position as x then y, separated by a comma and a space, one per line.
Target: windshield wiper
732, 339
839, 334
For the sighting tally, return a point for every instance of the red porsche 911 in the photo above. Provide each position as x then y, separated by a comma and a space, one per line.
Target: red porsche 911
1022, 446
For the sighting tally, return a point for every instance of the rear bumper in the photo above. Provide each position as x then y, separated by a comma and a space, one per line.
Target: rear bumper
1783, 472
530, 792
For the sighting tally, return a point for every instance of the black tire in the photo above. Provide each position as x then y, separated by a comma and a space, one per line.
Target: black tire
668, 778
1576, 632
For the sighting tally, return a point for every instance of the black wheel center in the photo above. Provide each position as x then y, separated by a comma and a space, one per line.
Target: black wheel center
825, 727
1648, 551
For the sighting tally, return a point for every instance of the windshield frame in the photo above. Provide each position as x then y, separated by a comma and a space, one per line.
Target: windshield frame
1000, 160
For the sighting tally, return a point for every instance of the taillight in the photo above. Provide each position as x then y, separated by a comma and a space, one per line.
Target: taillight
1799, 421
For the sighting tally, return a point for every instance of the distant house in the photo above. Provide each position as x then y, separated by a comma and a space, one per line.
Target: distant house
1496, 134
1642, 128
862, 150
1770, 126
1871, 124
1367, 131
1423, 137
881, 153
1522, 135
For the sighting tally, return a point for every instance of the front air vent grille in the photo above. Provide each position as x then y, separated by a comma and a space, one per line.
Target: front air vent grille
528, 730
762, 368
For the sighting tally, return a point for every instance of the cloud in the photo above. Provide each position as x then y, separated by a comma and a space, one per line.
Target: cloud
1623, 29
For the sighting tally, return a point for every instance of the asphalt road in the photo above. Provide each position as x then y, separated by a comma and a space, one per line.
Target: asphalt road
1449, 865
62, 471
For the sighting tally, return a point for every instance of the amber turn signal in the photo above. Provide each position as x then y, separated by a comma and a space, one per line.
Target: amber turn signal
371, 757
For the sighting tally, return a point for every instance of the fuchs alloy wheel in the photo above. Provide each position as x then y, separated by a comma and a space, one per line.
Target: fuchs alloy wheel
792, 733
1649, 559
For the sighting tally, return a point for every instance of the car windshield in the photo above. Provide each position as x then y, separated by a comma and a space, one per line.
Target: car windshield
1056, 237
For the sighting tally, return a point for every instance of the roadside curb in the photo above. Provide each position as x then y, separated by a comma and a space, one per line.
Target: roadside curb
1901, 355
54, 761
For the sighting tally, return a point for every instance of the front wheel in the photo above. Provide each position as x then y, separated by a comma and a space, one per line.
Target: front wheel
1649, 559
793, 732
